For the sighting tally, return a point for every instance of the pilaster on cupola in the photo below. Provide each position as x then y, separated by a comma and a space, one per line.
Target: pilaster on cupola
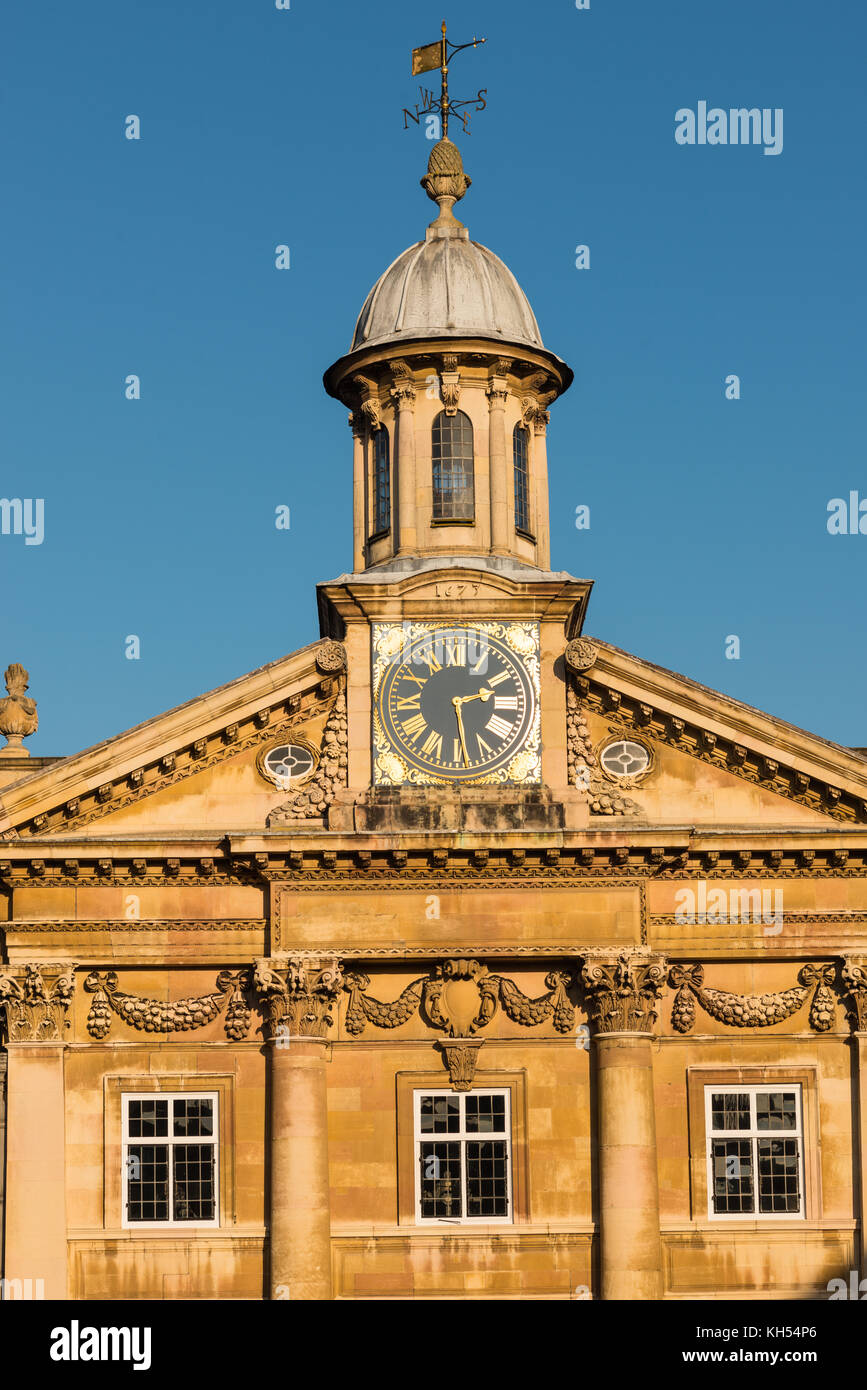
36, 998
623, 989
448, 383
298, 998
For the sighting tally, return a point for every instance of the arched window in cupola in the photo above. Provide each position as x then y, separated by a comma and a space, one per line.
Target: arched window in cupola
520, 456
452, 449
381, 482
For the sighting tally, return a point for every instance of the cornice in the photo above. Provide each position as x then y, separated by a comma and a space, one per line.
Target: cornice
166, 765
322, 864
652, 699
813, 777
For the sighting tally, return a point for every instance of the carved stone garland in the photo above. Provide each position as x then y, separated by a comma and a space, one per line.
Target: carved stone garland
36, 999
160, 1016
460, 997
438, 999
315, 796
603, 797
752, 1010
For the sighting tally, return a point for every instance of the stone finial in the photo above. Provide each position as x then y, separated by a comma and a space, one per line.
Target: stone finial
445, 182
18, 717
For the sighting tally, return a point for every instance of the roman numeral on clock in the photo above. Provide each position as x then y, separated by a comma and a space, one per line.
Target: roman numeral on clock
501, 676
505, 702
501, 728
433, 745
413, 727
409, 701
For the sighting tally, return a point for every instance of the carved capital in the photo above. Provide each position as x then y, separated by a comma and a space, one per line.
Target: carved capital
36, 999
497, 393
403, 390
368, 403
355, 421
461, 1056
297, 996
623, 988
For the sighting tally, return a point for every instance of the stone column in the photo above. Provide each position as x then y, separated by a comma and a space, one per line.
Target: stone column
496, 393
298, 999
540, 473
359, 493
854, 978
3, 1060
623, 988
403, 469
36, 999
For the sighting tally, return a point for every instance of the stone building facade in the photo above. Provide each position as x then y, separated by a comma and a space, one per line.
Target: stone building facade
457, 954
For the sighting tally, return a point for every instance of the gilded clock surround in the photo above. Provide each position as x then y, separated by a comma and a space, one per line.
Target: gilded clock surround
512, 649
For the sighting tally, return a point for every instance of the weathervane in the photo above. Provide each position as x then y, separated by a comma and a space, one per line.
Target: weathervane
436, 55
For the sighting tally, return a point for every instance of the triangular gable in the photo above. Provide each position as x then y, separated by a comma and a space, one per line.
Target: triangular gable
204, 733
806, 777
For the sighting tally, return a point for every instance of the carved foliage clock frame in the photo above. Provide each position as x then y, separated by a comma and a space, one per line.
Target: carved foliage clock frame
456, 704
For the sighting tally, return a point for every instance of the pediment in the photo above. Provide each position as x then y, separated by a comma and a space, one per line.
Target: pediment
722, 762
187, 767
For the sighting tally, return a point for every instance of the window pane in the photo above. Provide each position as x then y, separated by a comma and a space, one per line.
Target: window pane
381, 481
730, 1111
487, 1178
147, 1167
193, 1118
732, 1175
440, 1114
776, 1110
452, 450
522, 484
440, 1179
193, 1170
148, 1118
779, 1169
486, 1114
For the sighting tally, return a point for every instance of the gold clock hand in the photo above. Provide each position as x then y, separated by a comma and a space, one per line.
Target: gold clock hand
484, 694
457, 701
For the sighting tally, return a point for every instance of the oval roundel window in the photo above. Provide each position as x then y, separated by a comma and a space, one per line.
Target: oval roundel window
624, 758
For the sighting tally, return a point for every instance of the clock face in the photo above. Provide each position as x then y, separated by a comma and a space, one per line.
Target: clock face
456, 704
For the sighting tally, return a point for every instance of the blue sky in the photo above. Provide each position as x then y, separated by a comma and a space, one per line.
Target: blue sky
261, 127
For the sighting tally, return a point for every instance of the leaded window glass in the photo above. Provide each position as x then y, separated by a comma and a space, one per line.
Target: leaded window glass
755, 1151
463, 1156
452, 450
520, 456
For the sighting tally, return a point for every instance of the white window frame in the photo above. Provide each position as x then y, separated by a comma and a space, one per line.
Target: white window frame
753, 1135
462, 1137
171, 1141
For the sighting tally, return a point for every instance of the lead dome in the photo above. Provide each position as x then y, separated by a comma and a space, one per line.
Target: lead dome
447, 285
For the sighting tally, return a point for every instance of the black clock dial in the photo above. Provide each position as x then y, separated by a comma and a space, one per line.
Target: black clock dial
456, 702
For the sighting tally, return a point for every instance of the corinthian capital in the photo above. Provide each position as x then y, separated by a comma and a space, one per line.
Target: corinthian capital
403, 390
623, 988
36, 999
298, 996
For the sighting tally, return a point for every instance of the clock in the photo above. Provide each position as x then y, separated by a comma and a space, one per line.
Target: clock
456, 704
